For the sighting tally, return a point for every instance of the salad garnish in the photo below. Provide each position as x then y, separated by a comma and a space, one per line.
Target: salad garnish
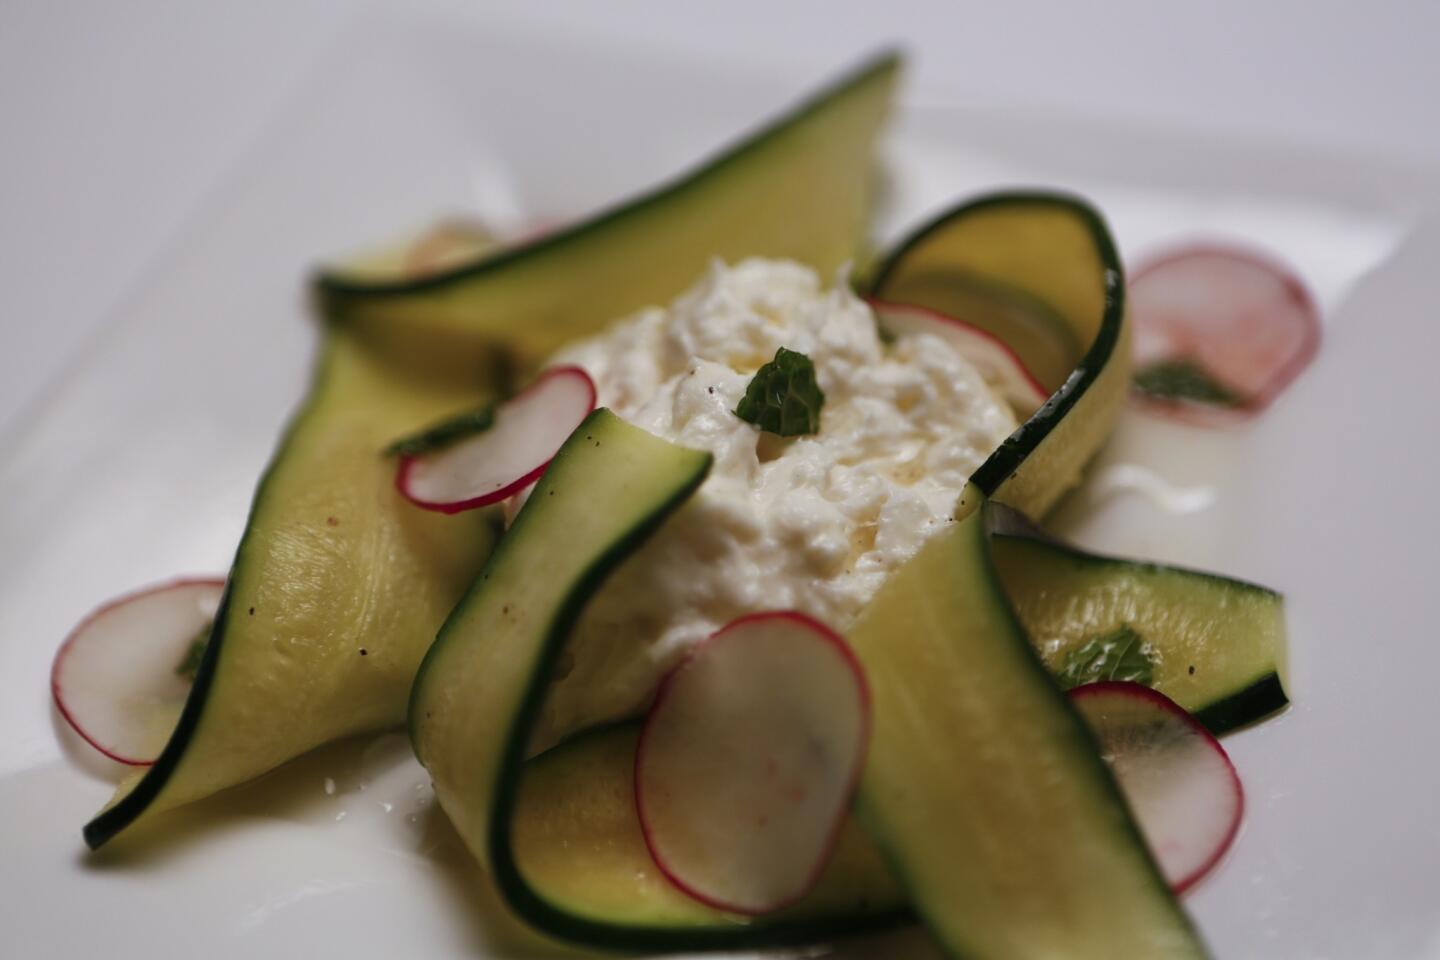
190, 663
1118, 655
1220, 331
783, 397
1184, 379
443, 433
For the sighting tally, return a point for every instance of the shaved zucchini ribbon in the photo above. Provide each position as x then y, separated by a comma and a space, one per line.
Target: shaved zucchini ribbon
559, 833
338, 585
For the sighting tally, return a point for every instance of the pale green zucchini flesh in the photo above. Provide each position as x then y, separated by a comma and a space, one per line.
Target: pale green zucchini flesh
800, 188
401, 353
985, 790
336, 593
1052, 251
1217, 644
479, 692
527, 821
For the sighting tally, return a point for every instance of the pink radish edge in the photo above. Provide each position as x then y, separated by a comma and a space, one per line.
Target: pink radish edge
1137, 691
879, 305
1294, 287
90, 618
663, 692
402, 472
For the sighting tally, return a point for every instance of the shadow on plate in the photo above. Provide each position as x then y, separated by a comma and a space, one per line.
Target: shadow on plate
350, 777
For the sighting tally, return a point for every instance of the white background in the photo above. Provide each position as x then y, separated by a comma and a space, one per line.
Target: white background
120, 119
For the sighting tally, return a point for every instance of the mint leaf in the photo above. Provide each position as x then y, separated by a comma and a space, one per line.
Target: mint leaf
189, 664
444, 433
1184, 379
1118, 655
783, 397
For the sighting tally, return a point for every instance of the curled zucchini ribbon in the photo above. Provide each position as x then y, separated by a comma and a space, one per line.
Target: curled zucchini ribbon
559, 832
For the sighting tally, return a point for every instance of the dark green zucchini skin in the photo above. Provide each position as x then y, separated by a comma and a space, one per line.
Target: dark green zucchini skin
1263, 698
350, 384
1243, 703
1106, 351
531, 904
431, 351
506, 872
601, 445
756, 935
335, 291
1098, 353
110, 821
973, 740
105, 825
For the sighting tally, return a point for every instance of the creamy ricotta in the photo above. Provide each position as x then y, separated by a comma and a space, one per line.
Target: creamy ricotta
812, 523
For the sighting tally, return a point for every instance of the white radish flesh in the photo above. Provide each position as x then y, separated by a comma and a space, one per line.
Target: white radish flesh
749, 759
117, 679
1178, 780
991, 356
488, 467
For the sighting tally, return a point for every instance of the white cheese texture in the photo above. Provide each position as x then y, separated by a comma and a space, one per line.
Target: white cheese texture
812, 523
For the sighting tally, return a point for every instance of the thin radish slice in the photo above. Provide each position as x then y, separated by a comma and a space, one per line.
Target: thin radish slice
120, 678
1178, 780
447, 244
441, 246
748, 761
997, 363
487, 467
1219, 332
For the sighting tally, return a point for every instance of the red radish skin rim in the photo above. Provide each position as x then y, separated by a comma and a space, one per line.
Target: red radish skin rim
90, 618
880, 305
1138, 691
402, 473
662, 693
1255, 404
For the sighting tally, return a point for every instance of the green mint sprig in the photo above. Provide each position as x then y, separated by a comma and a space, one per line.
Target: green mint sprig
783, 397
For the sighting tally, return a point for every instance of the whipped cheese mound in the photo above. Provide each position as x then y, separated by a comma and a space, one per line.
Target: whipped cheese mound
812, 523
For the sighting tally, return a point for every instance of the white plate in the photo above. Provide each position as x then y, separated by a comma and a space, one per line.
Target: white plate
142, 468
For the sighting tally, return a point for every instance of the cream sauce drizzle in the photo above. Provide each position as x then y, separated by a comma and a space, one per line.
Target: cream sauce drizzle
1123, 478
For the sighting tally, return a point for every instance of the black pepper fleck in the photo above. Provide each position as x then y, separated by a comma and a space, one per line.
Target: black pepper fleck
364, 652
1192, 669
252, 611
